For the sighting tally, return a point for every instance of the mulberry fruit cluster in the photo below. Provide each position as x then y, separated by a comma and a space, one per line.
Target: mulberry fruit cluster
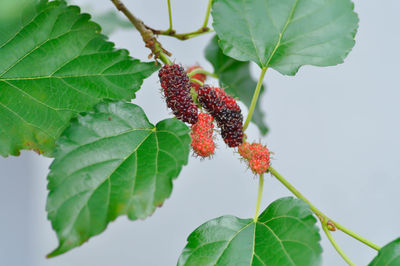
176, 85
226, 112
199, 76
257, 156
201, 134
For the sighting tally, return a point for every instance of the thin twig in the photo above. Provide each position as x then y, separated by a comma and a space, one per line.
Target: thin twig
254, 100
151, 42
336, 246
205, 23
181, 36
324, 219
184, 36
169, 15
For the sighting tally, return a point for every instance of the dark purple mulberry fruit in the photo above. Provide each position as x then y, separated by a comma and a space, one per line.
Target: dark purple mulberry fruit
225, 111
176, 85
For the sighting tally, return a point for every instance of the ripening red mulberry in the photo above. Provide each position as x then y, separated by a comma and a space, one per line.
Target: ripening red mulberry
226, 112
202, 141
257, 156
176, 85
198, 76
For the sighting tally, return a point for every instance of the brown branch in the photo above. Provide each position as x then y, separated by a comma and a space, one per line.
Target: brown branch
151, 42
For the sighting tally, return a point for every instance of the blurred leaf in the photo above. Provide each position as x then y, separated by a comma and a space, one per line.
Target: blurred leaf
286, 34
108, 163
111, 21
54, 63
284, 234
235, 78
389, 255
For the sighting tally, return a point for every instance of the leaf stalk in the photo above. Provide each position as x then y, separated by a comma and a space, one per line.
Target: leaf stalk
254, 100
169, 16
207, 14
336, 246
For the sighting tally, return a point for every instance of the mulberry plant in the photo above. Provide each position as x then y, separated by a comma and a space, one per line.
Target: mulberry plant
66, 92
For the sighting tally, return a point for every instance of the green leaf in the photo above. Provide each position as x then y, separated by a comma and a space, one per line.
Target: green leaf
284, 234
234, 76
389, 255
286, 34
54, 63
108, 163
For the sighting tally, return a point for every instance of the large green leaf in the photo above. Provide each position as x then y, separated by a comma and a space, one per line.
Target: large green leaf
389, 255
108, 163
286, 34
284, 234
55, 63
235, 77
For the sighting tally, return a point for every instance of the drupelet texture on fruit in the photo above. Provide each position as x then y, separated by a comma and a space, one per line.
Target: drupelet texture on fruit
176, 87
257, 156
202, 135
226, 112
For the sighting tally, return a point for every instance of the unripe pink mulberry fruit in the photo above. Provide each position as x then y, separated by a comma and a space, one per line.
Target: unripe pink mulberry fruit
226, 112
201, 134
176, 85
257, 156
198, 76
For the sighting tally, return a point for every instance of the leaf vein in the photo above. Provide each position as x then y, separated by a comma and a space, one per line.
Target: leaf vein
280, 242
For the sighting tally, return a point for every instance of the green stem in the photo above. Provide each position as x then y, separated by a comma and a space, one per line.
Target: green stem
255, 98
164, 58
323, 218
207, 14
336, 246
259, 196
169, 16
182, 36
201, 71
196, 81
356, 236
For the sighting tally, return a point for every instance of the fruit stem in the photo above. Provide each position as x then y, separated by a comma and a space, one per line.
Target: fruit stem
164, 59
336, 246
147, 35
169, 16
196, 81
259, 196
325, 220
207, 14
255, 98
201, 71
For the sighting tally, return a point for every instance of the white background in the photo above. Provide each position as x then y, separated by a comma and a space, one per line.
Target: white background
335, 133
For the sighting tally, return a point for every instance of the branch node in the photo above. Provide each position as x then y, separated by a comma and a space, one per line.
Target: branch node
330, 225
